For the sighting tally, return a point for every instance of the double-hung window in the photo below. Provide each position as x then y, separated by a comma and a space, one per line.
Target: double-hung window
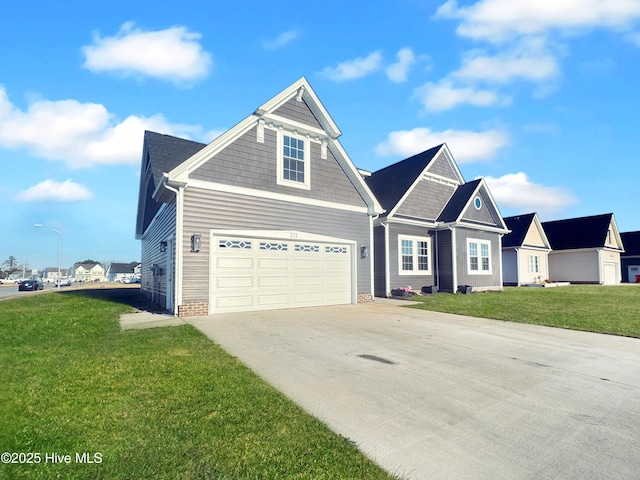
479, 257
293, 161
414, 255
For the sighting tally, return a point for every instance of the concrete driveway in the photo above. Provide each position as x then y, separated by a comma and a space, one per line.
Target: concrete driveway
436, 396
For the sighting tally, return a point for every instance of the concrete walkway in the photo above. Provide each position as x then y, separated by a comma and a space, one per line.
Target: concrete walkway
436, 396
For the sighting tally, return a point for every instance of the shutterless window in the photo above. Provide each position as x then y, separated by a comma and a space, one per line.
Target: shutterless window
479, 256
293, 159
534, 266
414, 255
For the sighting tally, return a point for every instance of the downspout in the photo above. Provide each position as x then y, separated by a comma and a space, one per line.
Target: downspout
454, 260
437, 260
177, 284
500, 260
517, 267
387, 270
600, 279
372, 256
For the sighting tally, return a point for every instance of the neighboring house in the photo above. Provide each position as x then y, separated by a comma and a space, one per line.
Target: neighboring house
50, 274
630, 259
585, 250
89, 272
121, 271
437, 230
525, 251
271, 214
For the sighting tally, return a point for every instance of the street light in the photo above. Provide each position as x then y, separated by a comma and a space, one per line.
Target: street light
59, 248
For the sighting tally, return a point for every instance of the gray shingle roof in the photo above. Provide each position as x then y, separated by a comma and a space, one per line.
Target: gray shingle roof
391, 183
631, 242
458, 201
582, 232
167, 152
519, 226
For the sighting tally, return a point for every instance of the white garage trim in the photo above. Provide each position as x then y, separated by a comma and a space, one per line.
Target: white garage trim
275, 263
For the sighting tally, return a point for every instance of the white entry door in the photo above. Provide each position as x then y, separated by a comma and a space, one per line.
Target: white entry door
610, 273
260, 273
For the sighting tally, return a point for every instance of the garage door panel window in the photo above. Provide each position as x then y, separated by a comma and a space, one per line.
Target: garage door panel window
273, 246
414, 253
307, 248
237, 244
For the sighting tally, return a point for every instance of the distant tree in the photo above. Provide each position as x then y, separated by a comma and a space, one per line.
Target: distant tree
10, 266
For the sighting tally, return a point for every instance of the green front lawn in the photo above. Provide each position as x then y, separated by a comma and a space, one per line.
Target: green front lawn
594, 308
165, 403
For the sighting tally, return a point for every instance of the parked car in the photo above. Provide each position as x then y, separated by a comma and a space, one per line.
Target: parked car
30, 284
64, 282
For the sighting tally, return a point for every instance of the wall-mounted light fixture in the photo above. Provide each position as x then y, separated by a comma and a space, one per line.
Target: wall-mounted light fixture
364, 251
195, 242
163, 246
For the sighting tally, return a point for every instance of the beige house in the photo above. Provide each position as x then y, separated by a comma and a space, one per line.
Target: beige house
89, 272
525, 251
585, 250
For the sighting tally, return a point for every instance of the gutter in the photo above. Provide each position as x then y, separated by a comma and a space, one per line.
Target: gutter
179, 241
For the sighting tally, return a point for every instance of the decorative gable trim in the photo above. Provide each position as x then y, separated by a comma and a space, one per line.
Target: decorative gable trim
500, 227
264, 117
444, 149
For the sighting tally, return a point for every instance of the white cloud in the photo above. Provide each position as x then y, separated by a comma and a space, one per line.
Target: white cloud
281, 40
398, 71
516, 190
50, 190
437, 97
356, 68
81, 134
529, 59
465, 146
173, 54
503, 20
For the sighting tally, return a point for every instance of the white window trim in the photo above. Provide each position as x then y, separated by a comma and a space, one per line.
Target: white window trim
414, 241
479, 271
534, 266
306, 185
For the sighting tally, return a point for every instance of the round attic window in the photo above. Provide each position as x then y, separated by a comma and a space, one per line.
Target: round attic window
478, 203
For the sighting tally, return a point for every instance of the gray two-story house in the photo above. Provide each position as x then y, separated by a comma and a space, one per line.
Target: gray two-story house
271, 214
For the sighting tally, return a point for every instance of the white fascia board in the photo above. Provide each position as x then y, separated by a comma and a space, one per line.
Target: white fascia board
503, 228
406, 221
541, 231
616, 233
416, 182
453, 163
310, 98
181, 172
222, 187
277, 122
356, 179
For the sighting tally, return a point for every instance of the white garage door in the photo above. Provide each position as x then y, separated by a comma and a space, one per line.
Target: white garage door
254, 273
610, 273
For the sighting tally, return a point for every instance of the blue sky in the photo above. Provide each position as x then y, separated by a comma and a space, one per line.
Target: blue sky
540, 98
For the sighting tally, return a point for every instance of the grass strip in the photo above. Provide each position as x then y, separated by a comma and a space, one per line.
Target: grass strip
164, 403
594, 308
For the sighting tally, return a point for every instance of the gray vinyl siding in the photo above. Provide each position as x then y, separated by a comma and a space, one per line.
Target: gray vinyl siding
415, 281
161, 228
247, 163
298, 111
487, 214
379, 284
445, 261
442, 166
205, 210
464, 278
426, 200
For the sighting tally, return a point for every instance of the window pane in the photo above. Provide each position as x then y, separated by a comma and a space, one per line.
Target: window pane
423, 255
474, 263
407, 247
485, 264
485, 249
473, 249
